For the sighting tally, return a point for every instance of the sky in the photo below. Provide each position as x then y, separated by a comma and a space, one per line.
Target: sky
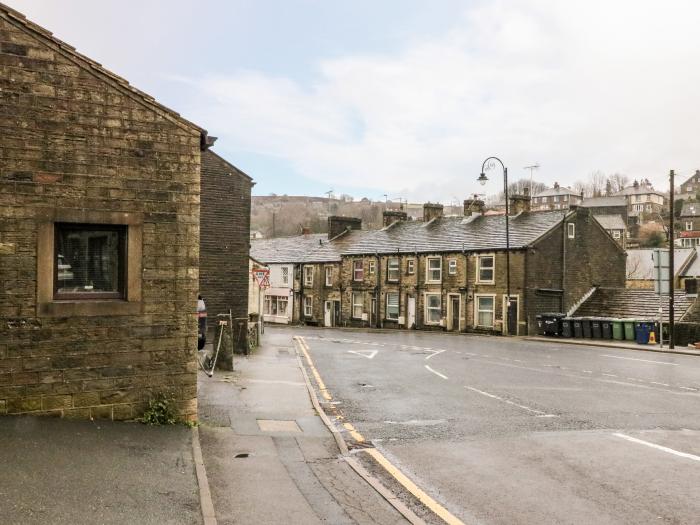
406, 98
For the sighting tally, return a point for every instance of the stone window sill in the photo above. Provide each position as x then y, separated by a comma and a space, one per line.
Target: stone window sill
89, 308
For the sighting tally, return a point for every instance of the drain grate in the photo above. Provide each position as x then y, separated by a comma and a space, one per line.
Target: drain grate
242, 455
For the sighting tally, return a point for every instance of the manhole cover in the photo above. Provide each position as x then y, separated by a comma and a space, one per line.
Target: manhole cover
278, 425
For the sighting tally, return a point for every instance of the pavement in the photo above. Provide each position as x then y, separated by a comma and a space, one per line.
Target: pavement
73, 472
682, 350
269, 456
513, 431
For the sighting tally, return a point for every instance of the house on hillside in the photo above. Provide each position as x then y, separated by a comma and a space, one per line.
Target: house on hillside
556, 198
99, 237
690, 188
449, 273
615, 226
644, 203
688, 230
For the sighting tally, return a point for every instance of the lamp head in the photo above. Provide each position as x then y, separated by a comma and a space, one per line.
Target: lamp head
482, 178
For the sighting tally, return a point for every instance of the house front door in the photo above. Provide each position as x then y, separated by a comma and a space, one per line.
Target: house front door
513, 317
454, 303
328, 313
411, 312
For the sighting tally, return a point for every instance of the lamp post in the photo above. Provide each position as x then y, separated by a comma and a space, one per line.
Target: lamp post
488, 164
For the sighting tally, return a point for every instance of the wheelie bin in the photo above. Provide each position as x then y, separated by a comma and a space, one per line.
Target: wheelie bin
586, 327
596, 328
578, 327
606, 328
540, 325
642, 329
618, 329
567, 327
629, 329
552, 323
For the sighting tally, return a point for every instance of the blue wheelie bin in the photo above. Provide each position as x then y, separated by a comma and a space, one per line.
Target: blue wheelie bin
642, 329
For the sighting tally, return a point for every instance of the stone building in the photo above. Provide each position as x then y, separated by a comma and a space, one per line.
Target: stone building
449, 273
644, 203
690, 189
99, 236
688, 225
224, 240
556, 198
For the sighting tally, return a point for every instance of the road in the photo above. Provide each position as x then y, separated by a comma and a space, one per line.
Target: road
509, 431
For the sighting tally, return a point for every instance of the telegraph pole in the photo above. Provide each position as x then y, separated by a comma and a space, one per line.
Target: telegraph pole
671, 313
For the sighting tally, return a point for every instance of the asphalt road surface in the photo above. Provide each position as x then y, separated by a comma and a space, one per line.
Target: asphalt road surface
510, 431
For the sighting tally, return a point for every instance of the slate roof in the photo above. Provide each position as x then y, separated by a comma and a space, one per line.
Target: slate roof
611, 222
642, 189
19, 20
445, 234
309, 248
561, 190
690, 209
597, 202
631, 304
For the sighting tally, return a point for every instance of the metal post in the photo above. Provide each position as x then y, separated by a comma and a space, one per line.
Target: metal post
671, 313
505, 185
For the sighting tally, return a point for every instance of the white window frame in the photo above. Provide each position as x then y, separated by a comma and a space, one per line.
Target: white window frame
276, 300
356, 304
358, 269
477, 310
410, 266
396, 270
427, 308
285, 274
308, 306
452, 267
688, 225
571, 230
479, 268
397, 306
308, 275
329, 276
371, 264
616, 234
428, 270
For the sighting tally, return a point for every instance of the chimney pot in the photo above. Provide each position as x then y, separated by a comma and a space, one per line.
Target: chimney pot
338, 225
392, 216
473, 205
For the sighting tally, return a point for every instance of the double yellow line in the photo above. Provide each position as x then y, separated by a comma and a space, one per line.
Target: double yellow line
392, 470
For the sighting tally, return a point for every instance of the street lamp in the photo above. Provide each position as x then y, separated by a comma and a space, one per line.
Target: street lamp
488, 164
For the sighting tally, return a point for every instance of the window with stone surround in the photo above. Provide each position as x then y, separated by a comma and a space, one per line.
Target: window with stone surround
392, 306
433, 308
571, 230
357, 305
392, 269
371, 267
308, 275
308, 306
329, 276
433, 270
485, 310
452, 267
89, 261
688, 225
485, 269
358, 270
411, 266
285, 275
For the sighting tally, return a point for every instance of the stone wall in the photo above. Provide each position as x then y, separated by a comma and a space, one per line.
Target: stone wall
76, 145
224, 239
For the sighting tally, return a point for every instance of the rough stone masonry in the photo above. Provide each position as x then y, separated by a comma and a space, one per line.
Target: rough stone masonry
78, 145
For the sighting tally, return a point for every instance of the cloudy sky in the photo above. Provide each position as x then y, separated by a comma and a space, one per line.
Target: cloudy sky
408, 97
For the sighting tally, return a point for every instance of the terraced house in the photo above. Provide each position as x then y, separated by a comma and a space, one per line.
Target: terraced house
449, 273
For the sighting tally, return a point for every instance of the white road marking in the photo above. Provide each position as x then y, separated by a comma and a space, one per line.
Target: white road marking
642, 360
688, 388
609, 375
587, 371
658, 447
369, 354
657, 383
494, 396
434, 353
436, 372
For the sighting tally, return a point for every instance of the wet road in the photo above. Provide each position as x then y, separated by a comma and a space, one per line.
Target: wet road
510, 431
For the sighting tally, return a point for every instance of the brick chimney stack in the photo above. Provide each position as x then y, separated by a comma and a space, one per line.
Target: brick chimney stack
338, 225
392, 216
431, 211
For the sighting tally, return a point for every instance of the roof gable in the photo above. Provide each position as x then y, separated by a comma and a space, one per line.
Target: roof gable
19, 21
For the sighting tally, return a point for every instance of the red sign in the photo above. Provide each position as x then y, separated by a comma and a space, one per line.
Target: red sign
262, 276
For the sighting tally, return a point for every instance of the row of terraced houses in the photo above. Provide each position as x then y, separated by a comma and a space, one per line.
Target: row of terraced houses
441, 273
